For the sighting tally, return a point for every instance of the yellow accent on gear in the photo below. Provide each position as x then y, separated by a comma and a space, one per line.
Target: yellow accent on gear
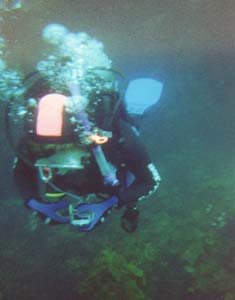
54, 195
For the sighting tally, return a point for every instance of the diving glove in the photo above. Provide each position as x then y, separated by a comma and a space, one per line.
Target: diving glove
130, 218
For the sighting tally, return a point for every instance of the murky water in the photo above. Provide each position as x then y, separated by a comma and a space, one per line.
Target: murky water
184, 247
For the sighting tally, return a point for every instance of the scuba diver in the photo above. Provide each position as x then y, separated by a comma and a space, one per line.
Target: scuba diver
79, 155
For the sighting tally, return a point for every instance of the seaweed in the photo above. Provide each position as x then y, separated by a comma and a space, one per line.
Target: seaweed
112, 277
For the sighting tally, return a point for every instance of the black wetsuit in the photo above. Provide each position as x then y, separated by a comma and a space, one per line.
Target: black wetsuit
125, 151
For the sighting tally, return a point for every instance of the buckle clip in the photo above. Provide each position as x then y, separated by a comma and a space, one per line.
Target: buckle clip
84, 218
45, 173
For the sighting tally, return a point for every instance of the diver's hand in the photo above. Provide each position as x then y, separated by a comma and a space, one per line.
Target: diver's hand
130, 218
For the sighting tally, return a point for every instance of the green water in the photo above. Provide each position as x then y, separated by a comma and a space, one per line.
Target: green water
184, 248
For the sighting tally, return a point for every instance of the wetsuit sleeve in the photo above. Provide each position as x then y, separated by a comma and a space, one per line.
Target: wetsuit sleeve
25, 178
138, 162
